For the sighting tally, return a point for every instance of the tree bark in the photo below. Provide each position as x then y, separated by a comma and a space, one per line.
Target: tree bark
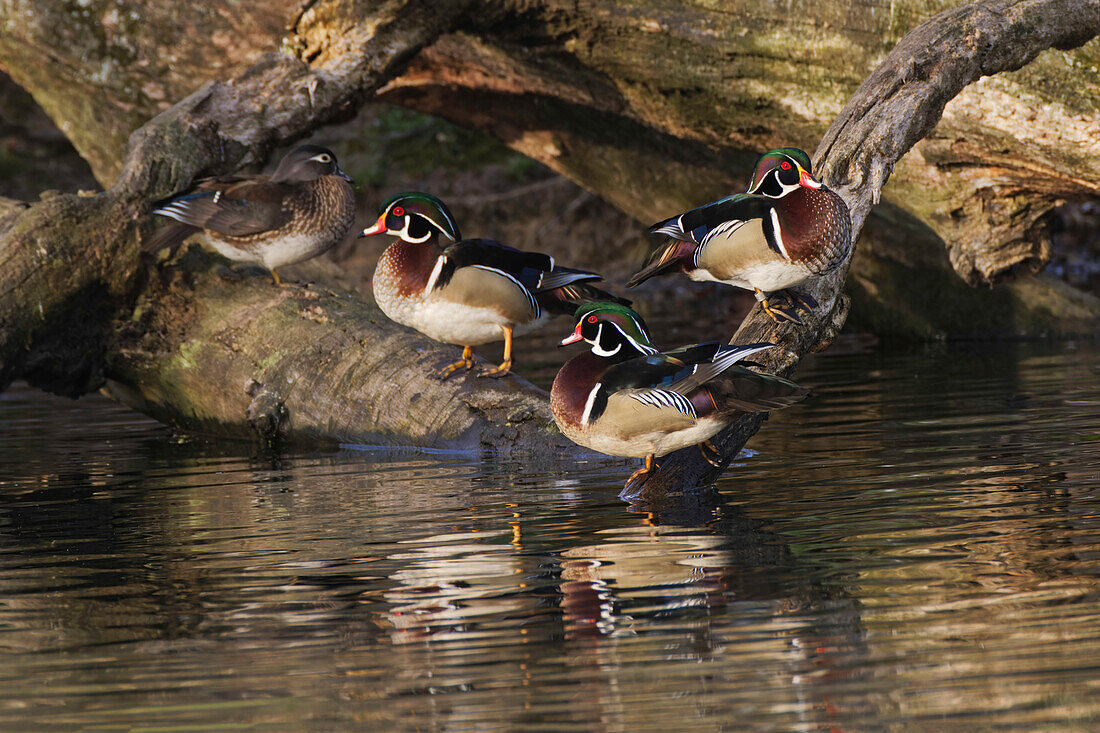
315, 364
894, 108
655, 107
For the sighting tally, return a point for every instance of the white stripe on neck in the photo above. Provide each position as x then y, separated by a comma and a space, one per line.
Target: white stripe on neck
439, 262
777, 231
589, 403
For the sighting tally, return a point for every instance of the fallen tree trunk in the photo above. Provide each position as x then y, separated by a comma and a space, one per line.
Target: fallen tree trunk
311, 364
597, 92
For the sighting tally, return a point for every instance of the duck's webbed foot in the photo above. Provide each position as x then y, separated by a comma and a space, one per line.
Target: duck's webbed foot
506, 365
711, 455
643, 471
779, 313
498, 371
467, 362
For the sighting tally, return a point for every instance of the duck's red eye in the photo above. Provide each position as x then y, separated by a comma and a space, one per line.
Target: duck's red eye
592, 319
785, 165
398, 211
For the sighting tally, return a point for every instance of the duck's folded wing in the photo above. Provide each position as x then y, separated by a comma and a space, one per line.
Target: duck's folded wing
239, 210
705, 371
650, 379
700, 224
488, 253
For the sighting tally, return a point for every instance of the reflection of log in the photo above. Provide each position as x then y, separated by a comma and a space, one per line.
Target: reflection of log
650, 108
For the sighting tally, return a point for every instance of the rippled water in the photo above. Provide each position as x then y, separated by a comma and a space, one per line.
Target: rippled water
915, 548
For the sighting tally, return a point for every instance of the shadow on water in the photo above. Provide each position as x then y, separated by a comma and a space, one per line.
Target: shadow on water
918, 543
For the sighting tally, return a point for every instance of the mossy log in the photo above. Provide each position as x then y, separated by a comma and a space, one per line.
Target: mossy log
653, 106
237, 356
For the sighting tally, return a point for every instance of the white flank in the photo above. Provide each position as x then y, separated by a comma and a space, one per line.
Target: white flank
588, 404
778, 232
439, 262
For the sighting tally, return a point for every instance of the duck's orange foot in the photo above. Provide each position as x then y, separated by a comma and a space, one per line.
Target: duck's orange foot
467, 362
499, 371
641, 472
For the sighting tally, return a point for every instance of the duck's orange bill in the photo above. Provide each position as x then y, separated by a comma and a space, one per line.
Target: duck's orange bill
807, 180
573, 337
379, 227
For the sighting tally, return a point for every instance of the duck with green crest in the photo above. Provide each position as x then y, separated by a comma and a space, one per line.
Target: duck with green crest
788, 228
623, 397
467, 292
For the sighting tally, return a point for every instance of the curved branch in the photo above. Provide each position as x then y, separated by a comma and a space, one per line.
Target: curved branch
893, 109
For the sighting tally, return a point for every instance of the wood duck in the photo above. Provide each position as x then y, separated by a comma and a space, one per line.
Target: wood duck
298, 212
788, 228
625, 398
472, 291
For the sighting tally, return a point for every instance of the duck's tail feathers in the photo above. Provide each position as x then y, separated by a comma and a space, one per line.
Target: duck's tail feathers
674, 254
562, 276
566, 299
749, 391
170, 236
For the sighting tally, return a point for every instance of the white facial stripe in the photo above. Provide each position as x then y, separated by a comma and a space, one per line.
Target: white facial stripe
588, 404
599, 350
777, 231
454, 225
784, 188
640, 347
404, 233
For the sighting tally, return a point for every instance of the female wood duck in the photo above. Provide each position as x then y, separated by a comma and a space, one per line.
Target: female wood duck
473, 291
625, 398
298, 212
788, 228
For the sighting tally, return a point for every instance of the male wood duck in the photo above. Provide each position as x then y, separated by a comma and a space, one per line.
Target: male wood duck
472, 291
625, 398
788, 228
298, 212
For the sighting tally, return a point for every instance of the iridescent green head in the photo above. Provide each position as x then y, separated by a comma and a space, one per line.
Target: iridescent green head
781, 171
612, 330
415, 217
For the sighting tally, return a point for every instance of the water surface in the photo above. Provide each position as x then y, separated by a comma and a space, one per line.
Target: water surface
917, 547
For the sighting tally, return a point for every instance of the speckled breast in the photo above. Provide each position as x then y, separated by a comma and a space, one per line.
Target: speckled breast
817, 229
